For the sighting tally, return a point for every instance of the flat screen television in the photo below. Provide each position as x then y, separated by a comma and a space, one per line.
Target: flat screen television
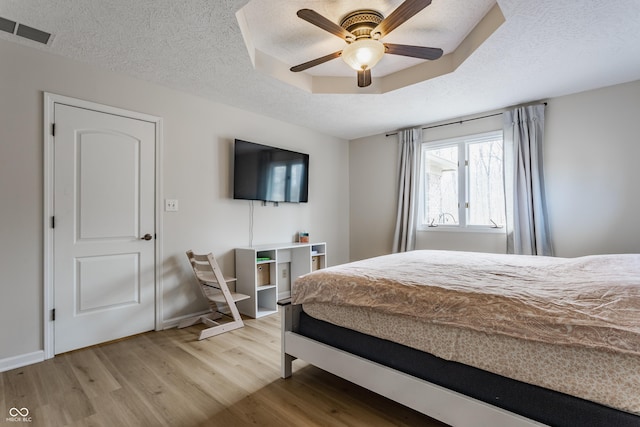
270, 174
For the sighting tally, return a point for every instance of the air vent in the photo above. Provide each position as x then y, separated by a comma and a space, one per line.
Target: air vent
33, 34
24, 31
6, 25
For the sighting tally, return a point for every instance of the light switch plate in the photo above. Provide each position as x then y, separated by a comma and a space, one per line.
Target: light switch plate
171, 205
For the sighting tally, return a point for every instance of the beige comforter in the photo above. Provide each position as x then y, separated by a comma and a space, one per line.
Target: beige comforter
591, 301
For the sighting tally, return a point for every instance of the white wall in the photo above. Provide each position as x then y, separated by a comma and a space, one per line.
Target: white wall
592, 167
592, 147
198, 136
373, 189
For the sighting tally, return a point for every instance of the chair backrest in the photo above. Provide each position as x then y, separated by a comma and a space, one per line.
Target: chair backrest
206, 268
198, 262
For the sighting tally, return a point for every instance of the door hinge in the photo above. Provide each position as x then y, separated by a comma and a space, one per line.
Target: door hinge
53, 314
466, 205
53, 129
53, 222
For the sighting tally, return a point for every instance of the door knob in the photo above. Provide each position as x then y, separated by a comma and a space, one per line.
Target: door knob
147, 237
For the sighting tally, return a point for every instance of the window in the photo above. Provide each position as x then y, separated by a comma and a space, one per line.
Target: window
461, 183
285, 181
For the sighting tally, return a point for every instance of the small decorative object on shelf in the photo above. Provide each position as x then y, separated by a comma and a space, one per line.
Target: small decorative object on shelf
303, 237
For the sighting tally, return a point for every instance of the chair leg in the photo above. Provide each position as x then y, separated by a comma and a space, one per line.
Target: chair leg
190, 321
220, 329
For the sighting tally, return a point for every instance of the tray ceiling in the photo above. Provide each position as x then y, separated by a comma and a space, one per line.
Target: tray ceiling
543, 49
277, 39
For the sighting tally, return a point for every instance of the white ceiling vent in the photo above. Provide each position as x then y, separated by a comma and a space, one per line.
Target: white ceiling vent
25, 31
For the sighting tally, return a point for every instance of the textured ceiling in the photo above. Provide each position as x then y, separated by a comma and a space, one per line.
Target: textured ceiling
544, 49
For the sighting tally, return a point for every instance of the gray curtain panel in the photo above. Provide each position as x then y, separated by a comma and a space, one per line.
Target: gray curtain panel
408, 163
527, 223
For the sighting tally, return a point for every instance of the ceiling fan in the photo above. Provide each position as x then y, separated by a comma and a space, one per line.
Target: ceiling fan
362, 30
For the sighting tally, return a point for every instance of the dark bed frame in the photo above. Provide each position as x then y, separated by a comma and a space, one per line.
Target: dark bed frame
454, 393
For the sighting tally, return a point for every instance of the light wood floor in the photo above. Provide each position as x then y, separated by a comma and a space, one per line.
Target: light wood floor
170, 378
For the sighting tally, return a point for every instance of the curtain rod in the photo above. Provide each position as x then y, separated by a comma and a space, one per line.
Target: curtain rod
457, 122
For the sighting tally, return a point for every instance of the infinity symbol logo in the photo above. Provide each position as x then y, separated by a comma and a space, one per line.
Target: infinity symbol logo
14, 412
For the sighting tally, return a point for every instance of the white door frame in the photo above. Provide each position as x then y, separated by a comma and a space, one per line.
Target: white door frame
50, 100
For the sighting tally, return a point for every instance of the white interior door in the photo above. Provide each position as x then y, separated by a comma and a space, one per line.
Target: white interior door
104, 186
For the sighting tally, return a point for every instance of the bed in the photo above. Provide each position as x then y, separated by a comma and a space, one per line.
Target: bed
477, 339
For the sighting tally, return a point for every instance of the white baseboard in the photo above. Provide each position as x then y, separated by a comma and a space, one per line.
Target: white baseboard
21, 360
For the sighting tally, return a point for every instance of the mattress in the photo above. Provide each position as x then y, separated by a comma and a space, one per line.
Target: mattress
591, 301
569, 325
604, 377
536, 403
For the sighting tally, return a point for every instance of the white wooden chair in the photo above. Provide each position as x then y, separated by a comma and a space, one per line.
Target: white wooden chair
214, 288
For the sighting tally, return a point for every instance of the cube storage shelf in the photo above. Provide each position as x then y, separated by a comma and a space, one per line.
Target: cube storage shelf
266, 272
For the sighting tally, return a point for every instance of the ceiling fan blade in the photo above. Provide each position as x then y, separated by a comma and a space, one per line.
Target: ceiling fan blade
413, 51
318, 20
316, 61
364, 77
402, 13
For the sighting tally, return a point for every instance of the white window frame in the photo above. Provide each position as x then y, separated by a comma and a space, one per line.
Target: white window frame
462, 143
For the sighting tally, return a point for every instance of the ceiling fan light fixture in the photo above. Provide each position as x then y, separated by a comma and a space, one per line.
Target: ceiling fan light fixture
363, 54
362, 30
